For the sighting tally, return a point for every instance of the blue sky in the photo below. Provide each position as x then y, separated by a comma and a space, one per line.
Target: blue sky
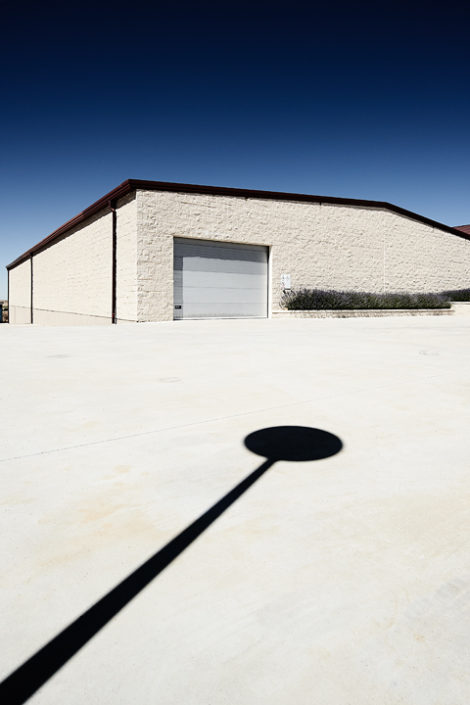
363, 101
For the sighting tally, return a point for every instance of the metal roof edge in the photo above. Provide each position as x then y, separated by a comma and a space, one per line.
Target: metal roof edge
137, 184
95, 207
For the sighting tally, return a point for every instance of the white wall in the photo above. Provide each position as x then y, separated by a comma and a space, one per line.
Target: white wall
73, 275
72, 278
126, 255
20, 293
319, 245
418, 257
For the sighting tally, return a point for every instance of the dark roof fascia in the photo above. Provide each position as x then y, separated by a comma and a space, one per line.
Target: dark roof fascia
135, 184
463, 228
99, 205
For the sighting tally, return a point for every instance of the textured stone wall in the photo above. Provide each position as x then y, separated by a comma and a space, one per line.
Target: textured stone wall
20, 293
126, 259
154, 258
319, 245
73, 275
418, 257
72, 278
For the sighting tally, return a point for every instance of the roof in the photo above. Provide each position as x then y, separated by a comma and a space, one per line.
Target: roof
463, 228
131, 185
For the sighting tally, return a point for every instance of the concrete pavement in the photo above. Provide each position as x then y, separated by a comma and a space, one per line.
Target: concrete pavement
340, 581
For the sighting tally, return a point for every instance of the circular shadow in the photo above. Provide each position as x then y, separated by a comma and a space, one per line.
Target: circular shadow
295, 443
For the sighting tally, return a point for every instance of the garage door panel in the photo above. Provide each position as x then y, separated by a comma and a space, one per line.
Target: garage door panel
213, 279
226, 257
223, 280
212, 294
195, 245
197, 264
221, 253
222, 311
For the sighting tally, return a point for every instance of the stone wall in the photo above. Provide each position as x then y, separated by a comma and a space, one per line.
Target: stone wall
126, 259
73, 275
319, 245
72, 278
19, 288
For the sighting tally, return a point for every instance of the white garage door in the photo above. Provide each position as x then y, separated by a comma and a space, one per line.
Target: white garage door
219, 279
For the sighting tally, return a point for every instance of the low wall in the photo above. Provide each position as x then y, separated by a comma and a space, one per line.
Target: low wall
461, 308
62, 318
365, 313
43, 317
19, 315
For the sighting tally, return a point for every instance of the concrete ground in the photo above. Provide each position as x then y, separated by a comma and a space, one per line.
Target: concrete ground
342, 581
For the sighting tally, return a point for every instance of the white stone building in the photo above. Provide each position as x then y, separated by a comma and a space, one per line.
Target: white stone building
155, 251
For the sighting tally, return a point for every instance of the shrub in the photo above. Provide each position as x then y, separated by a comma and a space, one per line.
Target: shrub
321, 299
457, 294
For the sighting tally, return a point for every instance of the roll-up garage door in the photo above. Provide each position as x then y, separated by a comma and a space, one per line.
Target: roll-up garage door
219, 279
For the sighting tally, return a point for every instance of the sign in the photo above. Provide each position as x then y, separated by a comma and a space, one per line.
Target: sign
285, 281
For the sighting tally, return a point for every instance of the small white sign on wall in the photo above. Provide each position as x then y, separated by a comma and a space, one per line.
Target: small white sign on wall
285, 281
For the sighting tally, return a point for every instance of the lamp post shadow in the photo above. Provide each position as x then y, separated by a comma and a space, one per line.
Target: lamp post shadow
290, 443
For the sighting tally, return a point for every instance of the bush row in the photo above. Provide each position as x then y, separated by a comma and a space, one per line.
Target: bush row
321, 299
457, 294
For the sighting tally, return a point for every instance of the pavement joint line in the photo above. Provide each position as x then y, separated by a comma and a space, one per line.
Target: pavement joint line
157, 430
187, 425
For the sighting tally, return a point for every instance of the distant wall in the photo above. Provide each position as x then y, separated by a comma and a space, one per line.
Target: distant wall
20, 293
72, 278
73, 275
126, 254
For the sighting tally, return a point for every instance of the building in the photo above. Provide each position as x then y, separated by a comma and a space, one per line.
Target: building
155, 251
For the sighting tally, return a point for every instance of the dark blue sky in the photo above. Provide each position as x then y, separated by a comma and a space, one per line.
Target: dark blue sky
366, 101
